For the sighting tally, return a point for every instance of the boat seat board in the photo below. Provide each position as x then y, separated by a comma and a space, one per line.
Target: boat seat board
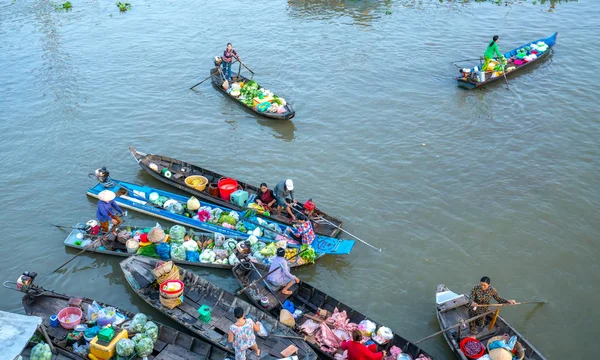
173, 352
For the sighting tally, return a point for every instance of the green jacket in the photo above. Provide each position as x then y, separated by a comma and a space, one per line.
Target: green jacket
491, 49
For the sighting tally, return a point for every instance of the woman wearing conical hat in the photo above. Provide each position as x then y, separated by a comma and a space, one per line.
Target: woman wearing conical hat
108, 210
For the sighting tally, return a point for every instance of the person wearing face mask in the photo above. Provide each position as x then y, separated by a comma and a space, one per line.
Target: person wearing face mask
482, 294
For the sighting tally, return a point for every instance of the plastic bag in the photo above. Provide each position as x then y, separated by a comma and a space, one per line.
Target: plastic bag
164, 251
177, 233
92, 311
41, 352
273, 232
144, 347
106, 316
137, 323
151, 330
367, 327
269, 250
221, 254
229, 245
219, 239
177, 252
175, 208
91, 332
125, 347
384, 334
81, 350
262, 332
139, 336
192, 256
193, 204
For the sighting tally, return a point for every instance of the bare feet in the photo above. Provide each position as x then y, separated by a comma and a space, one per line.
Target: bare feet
258, 352
286, 292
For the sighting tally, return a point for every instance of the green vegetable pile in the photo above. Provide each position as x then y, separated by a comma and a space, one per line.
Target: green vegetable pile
41, 352
309, 255
148, 250
249, 92
226, 218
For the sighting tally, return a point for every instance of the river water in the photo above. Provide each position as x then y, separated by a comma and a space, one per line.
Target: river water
452, 184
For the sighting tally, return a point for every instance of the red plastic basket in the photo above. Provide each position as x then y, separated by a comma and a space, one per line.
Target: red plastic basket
464, 341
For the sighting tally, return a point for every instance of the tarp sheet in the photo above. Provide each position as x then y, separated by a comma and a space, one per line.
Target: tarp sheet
15, 332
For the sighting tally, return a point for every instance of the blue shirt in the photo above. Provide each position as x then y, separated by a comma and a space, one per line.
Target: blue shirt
105, 209
281, 192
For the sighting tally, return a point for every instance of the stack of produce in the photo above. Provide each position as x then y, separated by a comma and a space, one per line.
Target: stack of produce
259, 99
142, 343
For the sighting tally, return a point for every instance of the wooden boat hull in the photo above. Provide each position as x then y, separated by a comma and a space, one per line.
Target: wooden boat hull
217, 81
455, 308
321, 244
551, 41
171, 344
177, 168
198, 292
72, 238
309, 299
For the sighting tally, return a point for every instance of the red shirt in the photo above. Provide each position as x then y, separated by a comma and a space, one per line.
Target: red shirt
357, 351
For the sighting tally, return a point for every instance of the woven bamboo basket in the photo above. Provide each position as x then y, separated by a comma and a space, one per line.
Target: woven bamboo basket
170, 303
520, 350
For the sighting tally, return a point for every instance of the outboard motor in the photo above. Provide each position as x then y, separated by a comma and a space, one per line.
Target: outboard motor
102, 175
25, 281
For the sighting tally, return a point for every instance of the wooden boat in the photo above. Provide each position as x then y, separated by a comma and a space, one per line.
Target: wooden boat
452, 308
217, 80
116, 248
309, 300
471, 84
181, 169
171, 344
197, 292
135, 197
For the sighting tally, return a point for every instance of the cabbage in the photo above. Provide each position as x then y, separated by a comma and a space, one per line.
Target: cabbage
151, 330
233, 260
144, 347
41, 352
257, 232
175, 208
137, 323
273, 232
125, 347
229, 245
227, 219
177, 232
190, 245
269, 250
177, 252
253, 239
208, 256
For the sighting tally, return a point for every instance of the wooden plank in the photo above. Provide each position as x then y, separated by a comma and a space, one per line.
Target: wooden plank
173, 352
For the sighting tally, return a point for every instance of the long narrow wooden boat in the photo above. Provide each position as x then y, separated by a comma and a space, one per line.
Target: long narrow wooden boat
136, 199
77, 237
171, 344
452, 308
181, 169
199, 291
471, 84
217, 81
309, 300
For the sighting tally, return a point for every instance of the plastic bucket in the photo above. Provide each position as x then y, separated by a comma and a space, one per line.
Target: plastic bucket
226, 187
469, 339
69, 317
213, 189
132, 246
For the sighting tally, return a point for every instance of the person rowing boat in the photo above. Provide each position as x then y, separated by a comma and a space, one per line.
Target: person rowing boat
280, 274
482, 294
492, 49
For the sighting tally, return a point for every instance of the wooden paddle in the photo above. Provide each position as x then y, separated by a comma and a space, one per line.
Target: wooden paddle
518, 303
209, 76
453, 326
79, 253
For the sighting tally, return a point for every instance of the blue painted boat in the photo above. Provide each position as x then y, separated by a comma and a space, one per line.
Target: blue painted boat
135, 197
471, 83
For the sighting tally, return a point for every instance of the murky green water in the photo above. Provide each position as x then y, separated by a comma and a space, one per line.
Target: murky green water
452, 184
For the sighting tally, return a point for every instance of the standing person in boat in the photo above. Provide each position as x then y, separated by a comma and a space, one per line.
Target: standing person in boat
491, 50
282, 191
482, 294
241, 334
282, 277
107, 210
266, 197
228, 56
358, 351
303, 231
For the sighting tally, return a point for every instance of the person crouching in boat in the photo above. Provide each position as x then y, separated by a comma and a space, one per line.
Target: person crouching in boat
282, 277
358, 351
266, 197
107, 210
482, 294
303, 231
282, 191
491, 50
228, 56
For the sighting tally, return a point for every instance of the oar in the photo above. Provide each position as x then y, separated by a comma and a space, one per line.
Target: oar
67, 227
453, 326
505, 79
289, 337
339, 228
79, 253
209, 76
465, 60
518, 303
244, 65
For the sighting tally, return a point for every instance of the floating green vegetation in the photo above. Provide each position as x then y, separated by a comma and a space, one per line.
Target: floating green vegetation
123, 6
66, 6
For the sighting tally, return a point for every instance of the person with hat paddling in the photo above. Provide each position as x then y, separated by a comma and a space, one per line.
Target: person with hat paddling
482, 294
282, 276
107, 210
282, 191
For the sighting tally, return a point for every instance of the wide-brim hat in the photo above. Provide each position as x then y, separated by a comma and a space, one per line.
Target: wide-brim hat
106, 195
156, 235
